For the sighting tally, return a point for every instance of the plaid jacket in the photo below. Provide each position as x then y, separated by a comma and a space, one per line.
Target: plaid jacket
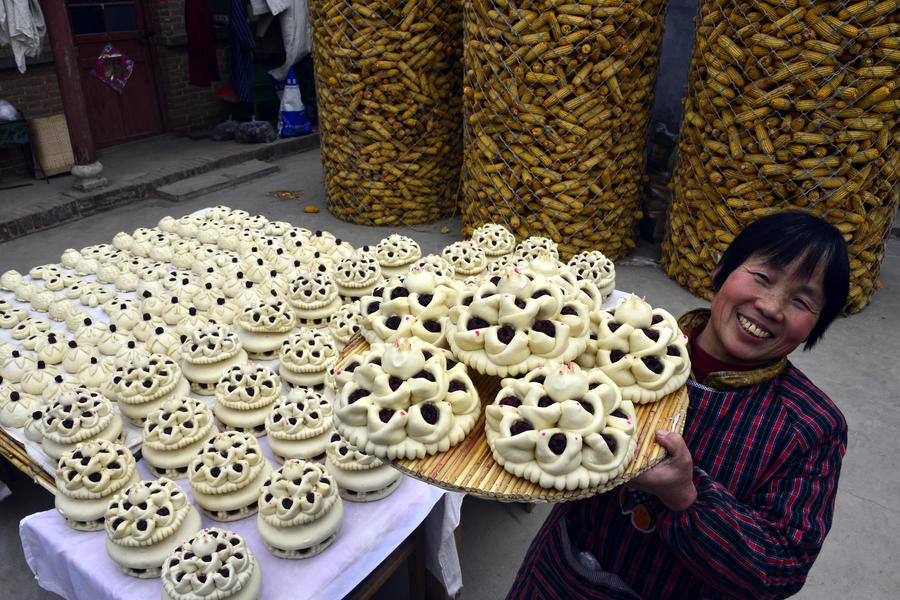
767, 457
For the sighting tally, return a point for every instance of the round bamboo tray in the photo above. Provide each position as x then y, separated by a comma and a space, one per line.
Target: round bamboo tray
469, 467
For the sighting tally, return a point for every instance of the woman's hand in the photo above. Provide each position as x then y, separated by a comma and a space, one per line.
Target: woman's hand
671, 480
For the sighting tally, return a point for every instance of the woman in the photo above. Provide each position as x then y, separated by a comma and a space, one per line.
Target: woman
742, 505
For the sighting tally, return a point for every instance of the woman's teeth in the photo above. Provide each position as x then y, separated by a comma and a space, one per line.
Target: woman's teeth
752, 329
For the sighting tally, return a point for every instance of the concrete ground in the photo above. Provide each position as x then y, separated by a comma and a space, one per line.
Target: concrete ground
855, 364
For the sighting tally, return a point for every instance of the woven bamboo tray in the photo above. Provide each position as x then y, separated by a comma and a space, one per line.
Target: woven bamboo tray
469, 467
15, 453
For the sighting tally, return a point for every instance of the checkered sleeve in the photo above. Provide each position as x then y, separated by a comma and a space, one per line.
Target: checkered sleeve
764, 547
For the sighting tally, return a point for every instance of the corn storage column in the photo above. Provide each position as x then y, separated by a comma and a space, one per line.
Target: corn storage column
558, 95
389, 85
791, 104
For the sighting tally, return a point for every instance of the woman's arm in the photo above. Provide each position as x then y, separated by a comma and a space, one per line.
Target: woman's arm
763, 548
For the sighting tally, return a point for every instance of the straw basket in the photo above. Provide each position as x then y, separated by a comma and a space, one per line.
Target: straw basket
469, 467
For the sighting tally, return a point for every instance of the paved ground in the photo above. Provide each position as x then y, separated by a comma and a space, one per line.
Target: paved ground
856, 364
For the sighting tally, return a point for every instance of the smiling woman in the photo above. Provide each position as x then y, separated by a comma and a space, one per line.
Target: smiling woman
741, 507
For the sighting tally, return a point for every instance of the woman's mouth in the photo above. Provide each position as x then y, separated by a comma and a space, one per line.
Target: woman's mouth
752, 328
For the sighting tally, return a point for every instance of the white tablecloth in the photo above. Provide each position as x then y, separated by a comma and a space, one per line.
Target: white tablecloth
75, 565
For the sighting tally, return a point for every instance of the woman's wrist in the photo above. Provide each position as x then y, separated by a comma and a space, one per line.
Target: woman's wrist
682, 499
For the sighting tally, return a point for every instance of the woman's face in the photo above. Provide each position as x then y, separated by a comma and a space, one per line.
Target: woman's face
762, 312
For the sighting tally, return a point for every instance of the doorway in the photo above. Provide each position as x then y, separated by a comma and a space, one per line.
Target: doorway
135, 113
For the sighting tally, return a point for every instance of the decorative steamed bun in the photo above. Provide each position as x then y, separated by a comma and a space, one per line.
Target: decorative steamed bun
174, 433
562, 427
214, 565
306, 356
87, 477
495, 239
396, 253
145, 522
244, 397
641, 349
300, 510
143, 385
405, 400
468, 260
227, 474
206, 355
595, 267
263, 326
416, 305
360, 477
518, 321
299, 425
76, 417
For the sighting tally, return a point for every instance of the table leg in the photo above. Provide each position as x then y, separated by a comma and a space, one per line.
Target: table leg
416, 564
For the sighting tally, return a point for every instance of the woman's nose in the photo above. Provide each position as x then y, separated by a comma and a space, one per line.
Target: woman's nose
770, 305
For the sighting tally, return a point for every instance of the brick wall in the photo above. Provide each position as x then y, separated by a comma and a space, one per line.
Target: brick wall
188, 107
35, 94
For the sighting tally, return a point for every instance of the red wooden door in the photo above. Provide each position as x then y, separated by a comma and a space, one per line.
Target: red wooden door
135, 113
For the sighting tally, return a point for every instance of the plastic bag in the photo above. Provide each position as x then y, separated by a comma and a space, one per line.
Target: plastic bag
225, 130
292, 119
8, 112
255, 132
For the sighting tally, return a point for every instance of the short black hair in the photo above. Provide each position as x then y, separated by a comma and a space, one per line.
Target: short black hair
781, 238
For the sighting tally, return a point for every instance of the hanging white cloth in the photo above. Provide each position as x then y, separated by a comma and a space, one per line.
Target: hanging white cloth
260, 7
22, 27
297, 34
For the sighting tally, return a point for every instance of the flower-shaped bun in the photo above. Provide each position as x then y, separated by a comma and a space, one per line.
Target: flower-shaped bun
314, 297
207, 353
435, 264
306, 356
214, 565
300, 511
357, 275
361, 477
641, 348
595, 267
562, 427
86, 478
174, 433
345, 322
516, 322
144, 521
467, 259
416, 305
299, 425
495, 239
535, 246
78, 416
146, 383
264, 325
244, 396
227, 474
404, 402
395, 253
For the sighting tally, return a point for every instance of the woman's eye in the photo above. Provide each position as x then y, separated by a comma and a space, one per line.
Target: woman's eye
761, 277
803, 304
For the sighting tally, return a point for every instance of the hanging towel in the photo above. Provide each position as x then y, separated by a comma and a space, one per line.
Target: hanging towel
203, 68
242, 45
22, 27
297, 35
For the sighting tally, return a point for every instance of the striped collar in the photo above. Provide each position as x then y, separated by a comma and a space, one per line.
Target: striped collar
729, 380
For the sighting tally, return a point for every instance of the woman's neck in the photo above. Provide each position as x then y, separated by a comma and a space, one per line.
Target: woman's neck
704, 361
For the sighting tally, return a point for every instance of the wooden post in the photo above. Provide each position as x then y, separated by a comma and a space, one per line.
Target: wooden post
65, 57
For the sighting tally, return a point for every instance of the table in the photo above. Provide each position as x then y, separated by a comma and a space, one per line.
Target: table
75, 565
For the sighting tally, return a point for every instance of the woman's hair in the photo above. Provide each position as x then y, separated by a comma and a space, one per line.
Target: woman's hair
782, 238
